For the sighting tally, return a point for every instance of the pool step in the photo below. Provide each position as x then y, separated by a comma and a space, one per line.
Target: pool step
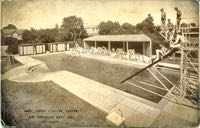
38, 68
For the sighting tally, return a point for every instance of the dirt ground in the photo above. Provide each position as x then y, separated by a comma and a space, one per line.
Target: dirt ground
45, 104
110, 74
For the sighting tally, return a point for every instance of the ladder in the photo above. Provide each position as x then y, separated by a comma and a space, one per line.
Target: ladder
190, 62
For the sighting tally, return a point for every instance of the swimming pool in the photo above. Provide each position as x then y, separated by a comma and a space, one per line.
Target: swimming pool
109, 73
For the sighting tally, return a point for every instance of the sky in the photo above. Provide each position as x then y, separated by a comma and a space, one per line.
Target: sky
46, 13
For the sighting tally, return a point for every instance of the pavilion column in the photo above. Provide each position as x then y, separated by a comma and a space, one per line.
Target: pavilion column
143, 48
95, 44
124, 46
150, 48
127, 46
109, 46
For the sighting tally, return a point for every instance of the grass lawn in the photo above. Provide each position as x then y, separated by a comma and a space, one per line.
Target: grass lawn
45, 103
5, 66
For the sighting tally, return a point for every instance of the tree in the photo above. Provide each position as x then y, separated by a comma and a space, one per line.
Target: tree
3, 42
193, 24
12, 44
56, 26
48, 35
109, 28
10, 26
72, 28
29, 36
127, 28
146, 25
59, 35
184, 25
43, 35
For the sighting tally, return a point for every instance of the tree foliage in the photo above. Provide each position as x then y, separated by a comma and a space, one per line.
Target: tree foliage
72, 28
109, 28
42, 35
29, 36
146, 25
114, 28
193, 24
127, 28
184, 25
12, 44
47, 35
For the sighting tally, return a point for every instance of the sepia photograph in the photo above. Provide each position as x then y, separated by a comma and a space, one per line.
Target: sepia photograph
100, 63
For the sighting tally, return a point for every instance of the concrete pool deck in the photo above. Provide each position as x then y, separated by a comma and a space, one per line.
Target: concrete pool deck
108, 99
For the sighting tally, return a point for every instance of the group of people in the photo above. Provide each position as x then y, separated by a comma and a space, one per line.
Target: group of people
169, 29
164, 17
172, 33
117, 53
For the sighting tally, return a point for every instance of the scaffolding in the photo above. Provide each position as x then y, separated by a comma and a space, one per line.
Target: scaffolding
190, 60
188, 89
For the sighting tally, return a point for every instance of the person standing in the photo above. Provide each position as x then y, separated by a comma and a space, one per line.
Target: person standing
170, 25
178, 17
170, 31
163, 19
150, 17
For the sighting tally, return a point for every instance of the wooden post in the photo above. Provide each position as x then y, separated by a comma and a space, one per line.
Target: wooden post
19, 52
95, 44
109, 46
143, 48
127, 46
150, 48
124, 46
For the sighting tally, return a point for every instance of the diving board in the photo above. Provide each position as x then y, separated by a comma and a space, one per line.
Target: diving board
169, 53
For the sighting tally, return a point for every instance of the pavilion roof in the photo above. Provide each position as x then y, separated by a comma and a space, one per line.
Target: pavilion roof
116, 38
